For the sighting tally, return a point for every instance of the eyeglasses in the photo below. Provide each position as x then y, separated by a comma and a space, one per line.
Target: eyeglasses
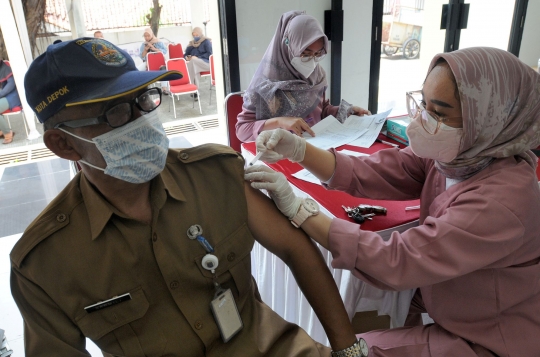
317, 56
121, 114
431, 122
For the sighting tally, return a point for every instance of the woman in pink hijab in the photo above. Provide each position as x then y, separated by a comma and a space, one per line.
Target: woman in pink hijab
288, 88
475, 256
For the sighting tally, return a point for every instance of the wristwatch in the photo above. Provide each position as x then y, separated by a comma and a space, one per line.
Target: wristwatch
359, 349
308, 208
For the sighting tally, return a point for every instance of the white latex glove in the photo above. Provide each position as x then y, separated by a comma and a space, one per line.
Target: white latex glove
278, 144
263, 177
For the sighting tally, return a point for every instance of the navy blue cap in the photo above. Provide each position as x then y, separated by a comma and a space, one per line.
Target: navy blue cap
82, 71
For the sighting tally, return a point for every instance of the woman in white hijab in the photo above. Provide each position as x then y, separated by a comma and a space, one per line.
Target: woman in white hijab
197, 54
288, 88
151, 44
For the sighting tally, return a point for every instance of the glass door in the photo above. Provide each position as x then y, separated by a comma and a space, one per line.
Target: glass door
411, 36
488, 25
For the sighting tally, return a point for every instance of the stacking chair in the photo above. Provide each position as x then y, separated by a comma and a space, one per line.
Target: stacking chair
212, 76
181, 86
233, 107
15, 111
175, 50
154, 60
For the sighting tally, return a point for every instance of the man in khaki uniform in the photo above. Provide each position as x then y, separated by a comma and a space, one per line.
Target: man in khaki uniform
136, 247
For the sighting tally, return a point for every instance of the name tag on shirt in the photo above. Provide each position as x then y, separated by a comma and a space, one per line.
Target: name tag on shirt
226, 314
107, 303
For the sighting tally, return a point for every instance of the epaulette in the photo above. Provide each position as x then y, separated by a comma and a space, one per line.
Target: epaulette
52, 219
205, 151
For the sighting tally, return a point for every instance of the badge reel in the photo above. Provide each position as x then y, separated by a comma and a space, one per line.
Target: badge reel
223, 305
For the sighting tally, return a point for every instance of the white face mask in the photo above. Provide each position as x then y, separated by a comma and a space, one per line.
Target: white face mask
305, 68
135, 152
443, 146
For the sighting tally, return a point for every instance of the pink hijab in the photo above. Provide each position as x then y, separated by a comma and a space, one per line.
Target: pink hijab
500, 104
277, 89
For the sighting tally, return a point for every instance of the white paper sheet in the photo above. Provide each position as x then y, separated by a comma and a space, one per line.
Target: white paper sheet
330, 133
307, 176
372, 124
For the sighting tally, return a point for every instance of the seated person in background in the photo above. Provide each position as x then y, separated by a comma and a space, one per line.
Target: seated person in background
116, 256
151, 44
98, 34
9, 99
198, 54
288, 88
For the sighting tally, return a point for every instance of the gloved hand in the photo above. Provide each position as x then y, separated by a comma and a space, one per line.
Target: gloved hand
263, 177
278, 144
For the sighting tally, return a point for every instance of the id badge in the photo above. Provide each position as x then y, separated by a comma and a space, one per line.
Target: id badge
226, 315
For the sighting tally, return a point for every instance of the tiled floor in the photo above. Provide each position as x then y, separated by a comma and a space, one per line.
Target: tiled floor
25, 189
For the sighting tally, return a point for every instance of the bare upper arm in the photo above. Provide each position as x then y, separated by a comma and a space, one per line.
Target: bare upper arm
271, 228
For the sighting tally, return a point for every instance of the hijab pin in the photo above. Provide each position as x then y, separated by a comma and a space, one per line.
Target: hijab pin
287, 41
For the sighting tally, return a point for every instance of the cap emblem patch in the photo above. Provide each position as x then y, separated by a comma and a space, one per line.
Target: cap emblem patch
104, 52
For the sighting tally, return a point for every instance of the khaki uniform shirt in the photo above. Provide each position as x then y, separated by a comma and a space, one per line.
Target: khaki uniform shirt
81, 251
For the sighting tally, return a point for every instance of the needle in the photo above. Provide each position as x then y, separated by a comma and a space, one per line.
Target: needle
256, 158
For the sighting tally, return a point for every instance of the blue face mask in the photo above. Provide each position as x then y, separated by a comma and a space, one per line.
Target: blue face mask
135, 152
196, 38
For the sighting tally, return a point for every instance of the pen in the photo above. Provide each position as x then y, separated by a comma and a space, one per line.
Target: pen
387, 143
256, 158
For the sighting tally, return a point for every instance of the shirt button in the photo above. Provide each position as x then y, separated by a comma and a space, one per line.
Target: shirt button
231, 257
174, 285
184, 156
198, 325
154, 237
61, 217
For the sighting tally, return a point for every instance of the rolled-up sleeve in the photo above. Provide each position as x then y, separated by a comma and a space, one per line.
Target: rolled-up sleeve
389, 174
247, 127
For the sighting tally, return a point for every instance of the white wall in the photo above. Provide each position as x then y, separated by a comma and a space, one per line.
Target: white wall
530, 46
257, 21
176, 34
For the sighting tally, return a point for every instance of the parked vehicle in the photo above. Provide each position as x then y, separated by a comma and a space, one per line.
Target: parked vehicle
402, 27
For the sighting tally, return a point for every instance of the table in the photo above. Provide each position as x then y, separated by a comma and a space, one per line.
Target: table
276, 283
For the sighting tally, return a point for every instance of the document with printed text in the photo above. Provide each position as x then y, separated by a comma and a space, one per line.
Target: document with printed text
330, 133
372, 124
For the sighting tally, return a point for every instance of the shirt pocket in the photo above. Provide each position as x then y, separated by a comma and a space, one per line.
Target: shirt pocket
234, 266
111, 330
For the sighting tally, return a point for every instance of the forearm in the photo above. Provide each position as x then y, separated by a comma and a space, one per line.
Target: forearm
314, 279
318, 228
321, 163
277, 234
270, 124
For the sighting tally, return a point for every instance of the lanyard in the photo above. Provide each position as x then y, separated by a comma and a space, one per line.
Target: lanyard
209, 262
